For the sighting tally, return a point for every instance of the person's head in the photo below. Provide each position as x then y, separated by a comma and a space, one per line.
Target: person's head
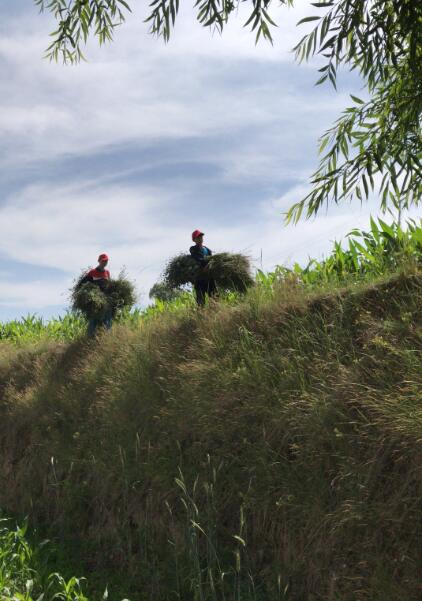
198, 237
102, 261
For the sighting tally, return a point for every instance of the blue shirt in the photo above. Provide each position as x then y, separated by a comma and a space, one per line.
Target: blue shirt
200, 254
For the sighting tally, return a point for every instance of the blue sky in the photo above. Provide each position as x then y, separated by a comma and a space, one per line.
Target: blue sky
131, 151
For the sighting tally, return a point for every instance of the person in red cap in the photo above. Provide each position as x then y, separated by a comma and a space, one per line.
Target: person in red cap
100, 277
203, 285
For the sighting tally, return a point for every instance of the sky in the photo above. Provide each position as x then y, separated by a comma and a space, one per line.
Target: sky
131, 151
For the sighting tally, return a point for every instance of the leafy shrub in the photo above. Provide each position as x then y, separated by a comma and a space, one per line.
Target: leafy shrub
160, 291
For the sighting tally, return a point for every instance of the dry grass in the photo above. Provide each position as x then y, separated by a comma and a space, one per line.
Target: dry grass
298, 417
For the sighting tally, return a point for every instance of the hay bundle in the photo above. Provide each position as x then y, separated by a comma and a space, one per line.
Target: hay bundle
121, 294
181, 270
90, 300
98, 303
231, 272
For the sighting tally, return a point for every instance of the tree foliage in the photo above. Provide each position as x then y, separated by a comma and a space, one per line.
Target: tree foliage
78, 19
376, 144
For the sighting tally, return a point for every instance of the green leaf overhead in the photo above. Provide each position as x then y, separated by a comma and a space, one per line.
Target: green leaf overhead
382, 40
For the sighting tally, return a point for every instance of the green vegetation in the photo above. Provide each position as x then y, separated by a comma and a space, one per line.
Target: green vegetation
116, 296
230, 272
383, 249
180, 270
90, 300
161, 292
73, 325
33, 328
24, 574
266, 447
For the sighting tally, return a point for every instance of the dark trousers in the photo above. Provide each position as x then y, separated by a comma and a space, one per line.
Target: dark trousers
203, 287
94, 324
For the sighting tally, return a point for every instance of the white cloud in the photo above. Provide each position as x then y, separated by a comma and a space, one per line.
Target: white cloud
36, 294
140, 88
254, 114
66, 227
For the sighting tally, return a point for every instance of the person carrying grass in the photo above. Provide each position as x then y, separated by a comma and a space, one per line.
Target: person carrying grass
203, 284
99, 276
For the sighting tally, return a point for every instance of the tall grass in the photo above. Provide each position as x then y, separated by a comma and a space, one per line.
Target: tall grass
263, 449
266, 447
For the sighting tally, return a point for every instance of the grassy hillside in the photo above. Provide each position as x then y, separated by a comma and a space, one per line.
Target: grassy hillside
267, 449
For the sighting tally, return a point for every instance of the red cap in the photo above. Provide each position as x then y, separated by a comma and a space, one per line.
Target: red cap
103, 257
197, 233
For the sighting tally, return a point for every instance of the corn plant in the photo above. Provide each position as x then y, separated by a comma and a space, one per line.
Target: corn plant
31, 327
382, 249
22, 571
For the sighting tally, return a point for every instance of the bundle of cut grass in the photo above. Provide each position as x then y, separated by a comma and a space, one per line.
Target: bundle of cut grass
97, 302
90, 300
231, 272
121, 293
181, 270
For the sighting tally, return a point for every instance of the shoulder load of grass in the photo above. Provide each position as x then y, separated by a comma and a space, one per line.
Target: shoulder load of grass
90, 300
231, 272
95, 302
384, 249
180, 270
266, 449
